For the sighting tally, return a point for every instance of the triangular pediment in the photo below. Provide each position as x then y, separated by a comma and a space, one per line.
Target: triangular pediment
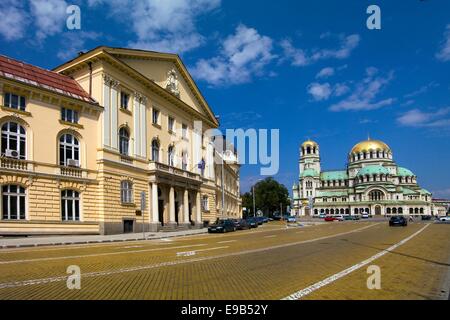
168, 72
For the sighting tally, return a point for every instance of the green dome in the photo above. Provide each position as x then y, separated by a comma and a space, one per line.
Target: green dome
403, 172
309, 173
370, 170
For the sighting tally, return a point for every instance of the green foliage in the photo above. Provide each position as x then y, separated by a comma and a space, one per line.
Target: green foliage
269, 194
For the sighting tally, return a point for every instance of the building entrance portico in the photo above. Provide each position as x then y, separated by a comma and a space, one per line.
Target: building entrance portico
172, 198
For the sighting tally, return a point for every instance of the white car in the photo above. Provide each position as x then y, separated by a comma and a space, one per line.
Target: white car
339, 218
445, 219
365, 216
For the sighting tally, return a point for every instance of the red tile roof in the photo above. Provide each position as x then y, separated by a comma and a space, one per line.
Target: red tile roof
35, 76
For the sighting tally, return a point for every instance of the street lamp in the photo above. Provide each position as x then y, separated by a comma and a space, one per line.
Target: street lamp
253, 192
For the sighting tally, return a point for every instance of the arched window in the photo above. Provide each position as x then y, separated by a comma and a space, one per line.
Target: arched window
13, 140
171, 156
394, 210
316, 211
308, 150
388, 210
421, 210
400, 210
13, 202
126, 191
416, 210
155, 150
69, 151
124, 141
376, 195
70, 205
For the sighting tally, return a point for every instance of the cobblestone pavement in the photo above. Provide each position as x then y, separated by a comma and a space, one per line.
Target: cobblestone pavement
271, 262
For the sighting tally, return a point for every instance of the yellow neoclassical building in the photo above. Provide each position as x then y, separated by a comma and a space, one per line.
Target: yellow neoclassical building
83, 144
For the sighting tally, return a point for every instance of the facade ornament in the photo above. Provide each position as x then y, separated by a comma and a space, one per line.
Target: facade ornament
109, 81
172, 83
140, 98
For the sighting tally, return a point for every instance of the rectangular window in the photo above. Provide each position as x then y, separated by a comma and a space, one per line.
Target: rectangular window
14, 101
124, 99
155, 116
69, 115
205, 205
70, 205
184, 131
13, 202
171, 124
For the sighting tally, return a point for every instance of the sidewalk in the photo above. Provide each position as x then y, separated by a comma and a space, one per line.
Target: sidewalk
36, 241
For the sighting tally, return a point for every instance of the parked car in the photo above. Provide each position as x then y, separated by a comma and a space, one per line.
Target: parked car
222, 226
365, 216
241, 224
260, 220
291, 219
329, 218
339, 218
398, 221
252, 222
322, 216
426, 218
276, 218
444, 219
265, 219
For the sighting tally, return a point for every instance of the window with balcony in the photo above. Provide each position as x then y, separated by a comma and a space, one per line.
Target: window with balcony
126, 192
69, 115
124, 141
70, 205
69, 151
13, 202
14, 101
171, 156
13, 141
155, 150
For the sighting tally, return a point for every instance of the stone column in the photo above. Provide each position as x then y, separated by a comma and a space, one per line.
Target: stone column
186, 206
155, 209
198, 209
172, 205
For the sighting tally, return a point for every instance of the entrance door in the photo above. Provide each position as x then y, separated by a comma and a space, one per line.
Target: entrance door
177, 211
161, 211
377, 210
128, 226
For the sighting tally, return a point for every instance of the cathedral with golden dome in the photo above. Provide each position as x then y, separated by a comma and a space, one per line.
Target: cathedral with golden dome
371, 184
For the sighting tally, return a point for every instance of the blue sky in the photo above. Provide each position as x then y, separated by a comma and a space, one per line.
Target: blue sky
310, 68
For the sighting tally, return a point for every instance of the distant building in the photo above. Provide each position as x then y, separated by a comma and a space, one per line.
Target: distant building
372, 183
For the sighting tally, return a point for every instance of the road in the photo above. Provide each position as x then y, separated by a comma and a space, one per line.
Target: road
326, 261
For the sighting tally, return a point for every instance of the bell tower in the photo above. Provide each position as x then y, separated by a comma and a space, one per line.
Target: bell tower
309, 156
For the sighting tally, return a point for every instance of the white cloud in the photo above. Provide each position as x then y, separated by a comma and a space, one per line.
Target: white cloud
443, 193
421, 90
340, 89
243, 55
13, 19
162, 25
300, 57
418, 118
49, 17
365, 93
325, 73
74, 42
319, 91
444, 52
297, 56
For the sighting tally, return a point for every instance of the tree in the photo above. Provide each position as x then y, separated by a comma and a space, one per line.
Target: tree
269, 195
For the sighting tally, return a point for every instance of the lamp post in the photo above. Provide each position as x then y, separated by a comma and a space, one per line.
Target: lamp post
253, 192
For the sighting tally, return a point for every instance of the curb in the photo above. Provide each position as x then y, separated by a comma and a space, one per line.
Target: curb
13, 246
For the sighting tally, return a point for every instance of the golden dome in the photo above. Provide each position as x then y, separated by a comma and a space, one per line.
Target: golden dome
370, 145
309, 143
